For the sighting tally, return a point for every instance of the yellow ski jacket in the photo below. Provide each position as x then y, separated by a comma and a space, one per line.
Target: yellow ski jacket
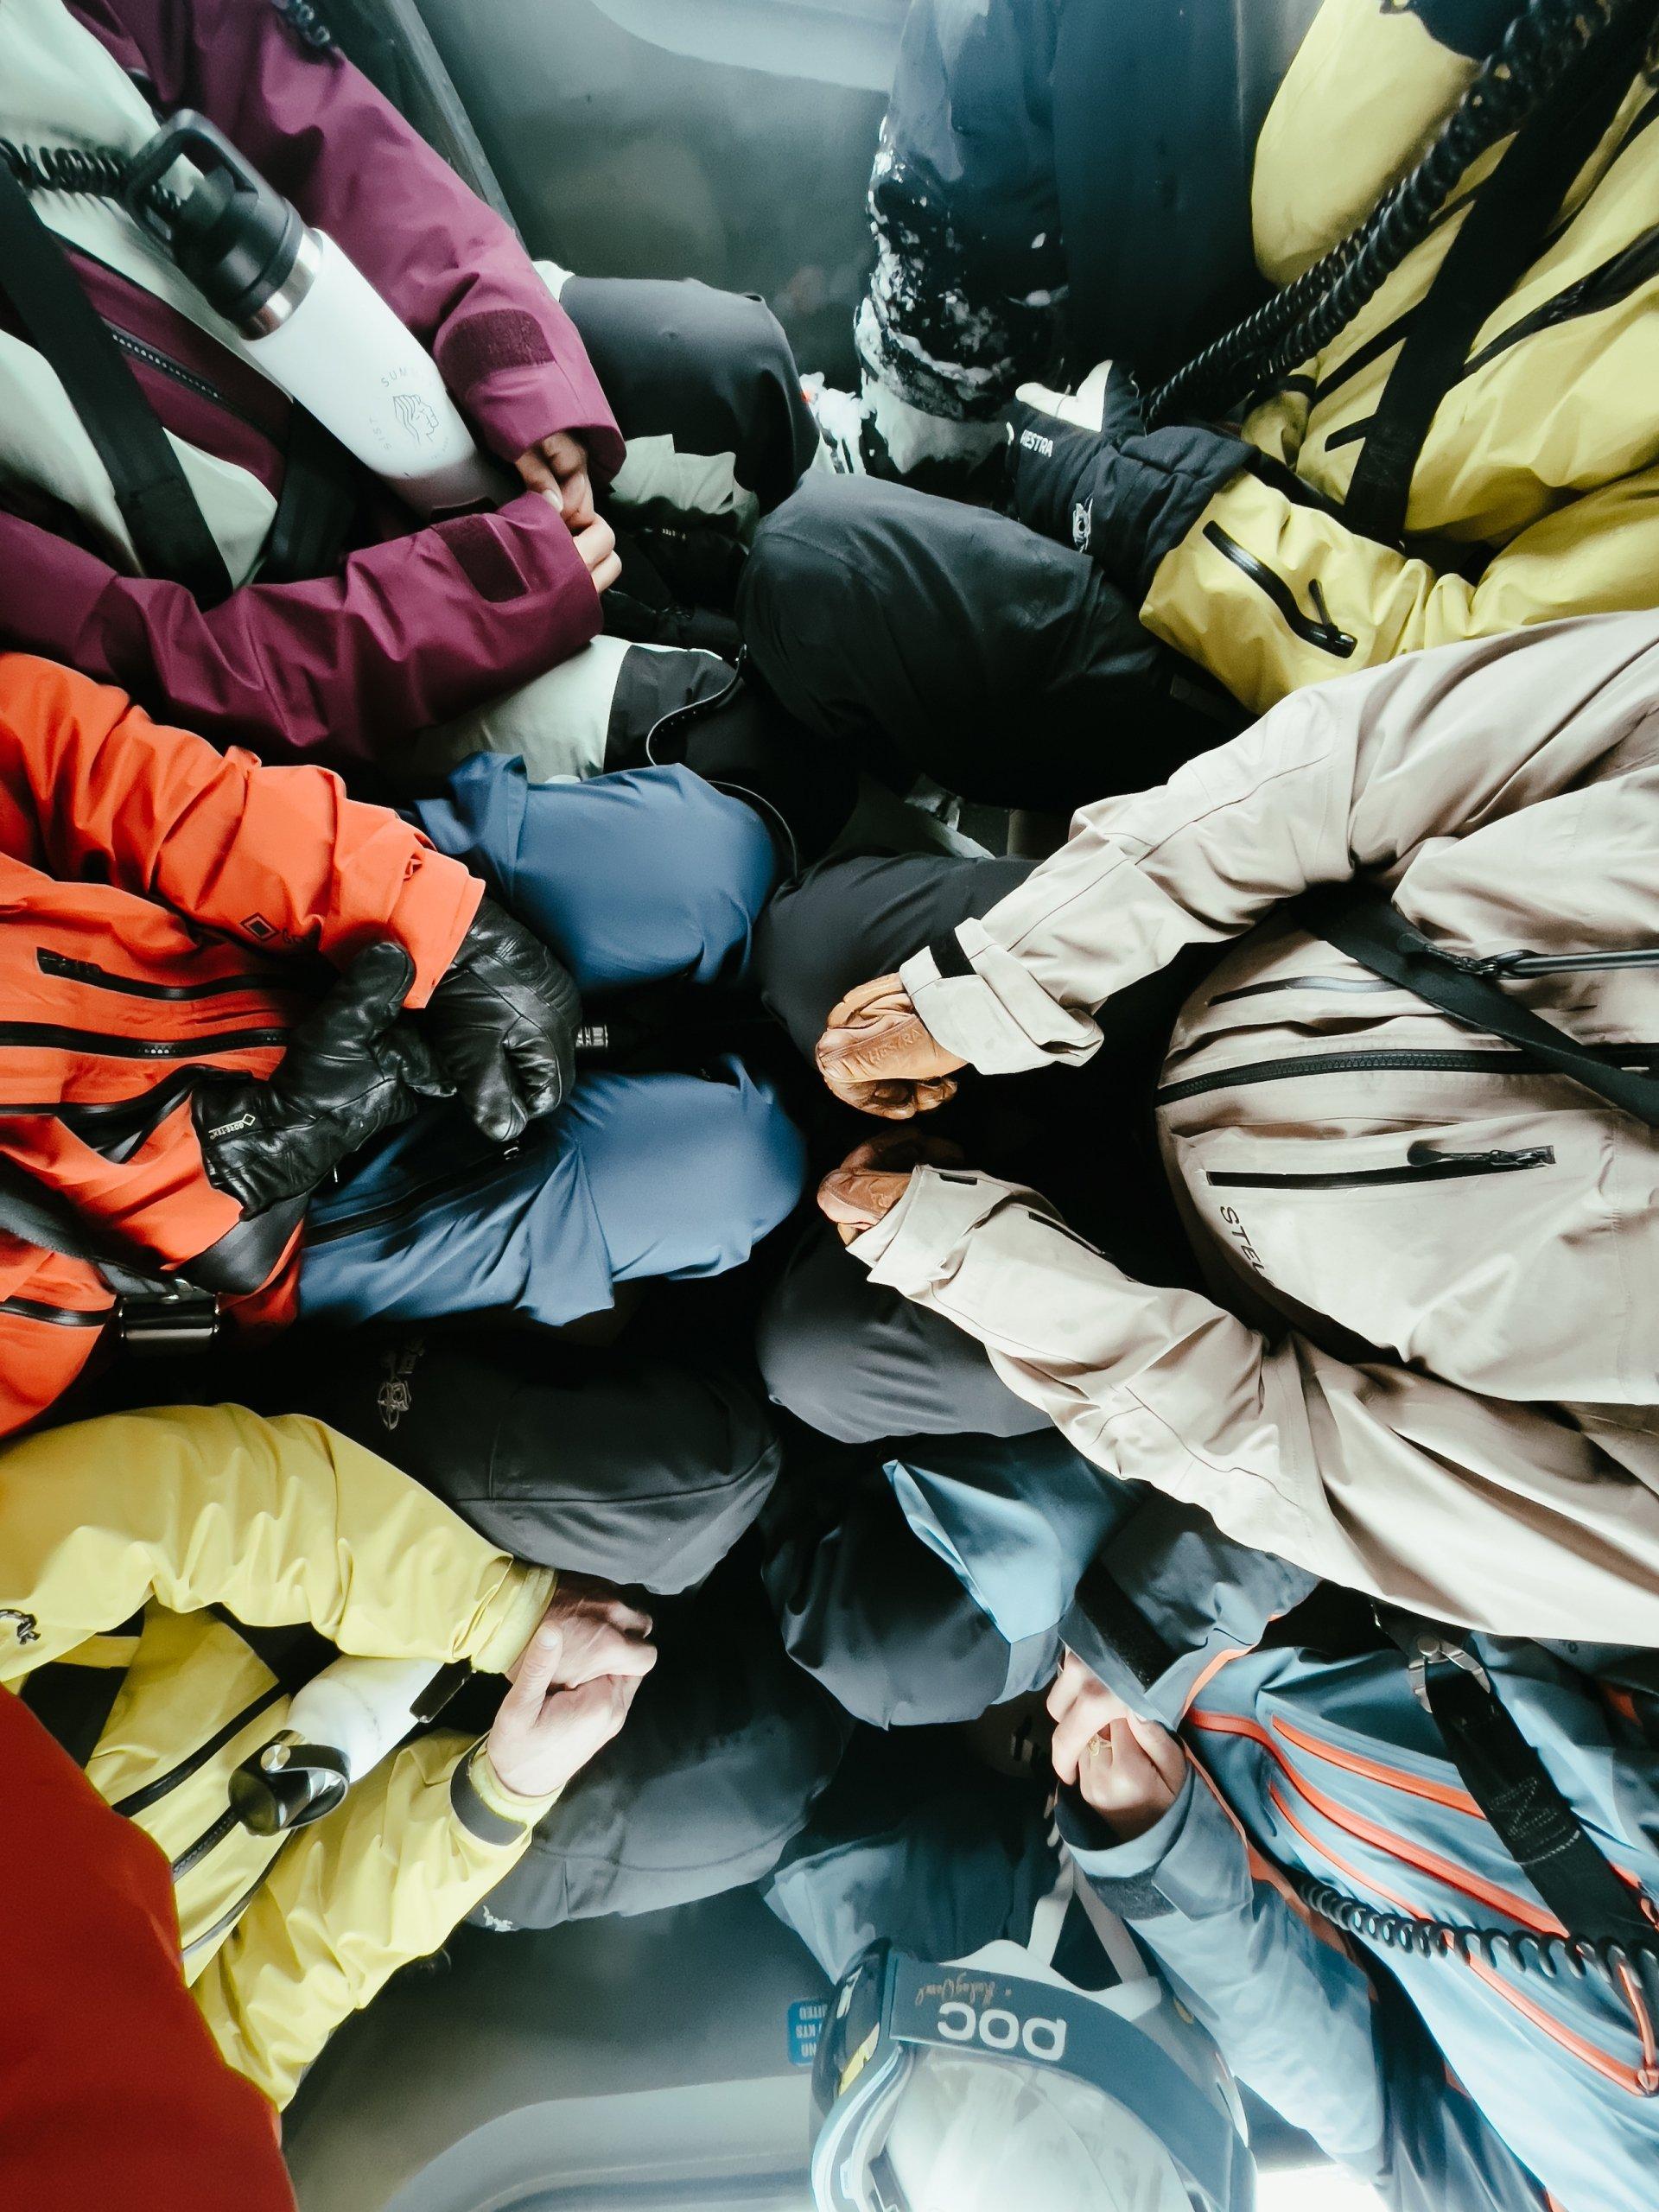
132, 1548
1538, 481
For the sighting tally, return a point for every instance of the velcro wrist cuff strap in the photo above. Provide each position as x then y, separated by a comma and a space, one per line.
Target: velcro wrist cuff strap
480, 1820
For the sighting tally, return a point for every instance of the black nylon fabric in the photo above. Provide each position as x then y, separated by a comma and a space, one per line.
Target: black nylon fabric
691, 707
868, 1611
711, 369
73, 1704
634, 1467
1474, 27
169, 532
1361, 921
1498, 240
921, 635
315, 508
1507, 1780
728, 1748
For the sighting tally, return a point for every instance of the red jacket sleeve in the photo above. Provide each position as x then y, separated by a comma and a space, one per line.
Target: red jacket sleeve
353, 166
350, 665
90, 788
111, 2089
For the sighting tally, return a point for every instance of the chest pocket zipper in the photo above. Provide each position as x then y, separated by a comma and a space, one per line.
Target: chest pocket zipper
1320, 631
1422, 1165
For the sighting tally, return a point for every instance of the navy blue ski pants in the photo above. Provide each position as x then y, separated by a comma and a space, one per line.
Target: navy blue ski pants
633, 878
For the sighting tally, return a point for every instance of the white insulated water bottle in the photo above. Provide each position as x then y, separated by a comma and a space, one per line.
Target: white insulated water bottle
340, 1726
361, 1708
306, 317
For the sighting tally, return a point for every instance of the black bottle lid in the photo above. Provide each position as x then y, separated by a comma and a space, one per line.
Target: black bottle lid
234, 236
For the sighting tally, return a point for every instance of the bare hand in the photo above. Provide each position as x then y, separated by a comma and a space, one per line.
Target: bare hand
558, 466
1129, 1769
877, 1054
572, 1687
874, 1177
541, 1738
592, 1631
597, 543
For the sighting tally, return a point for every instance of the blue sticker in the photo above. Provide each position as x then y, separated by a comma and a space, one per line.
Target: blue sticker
806, 2018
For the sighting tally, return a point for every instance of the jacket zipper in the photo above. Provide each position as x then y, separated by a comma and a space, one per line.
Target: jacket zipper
692, 711
119, 1128
1613, 281
1349, 1064
105, 979
1641, 1057
140, 1801
1423, 1165
413, 1201
1322, 632
141, 350
98, 1044
209, 1840
60, 1317
232, 1913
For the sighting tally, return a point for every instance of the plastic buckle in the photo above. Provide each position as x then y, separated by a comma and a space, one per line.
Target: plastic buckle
154, 1323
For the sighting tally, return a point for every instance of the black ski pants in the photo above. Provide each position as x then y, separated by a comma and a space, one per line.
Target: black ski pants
923, 637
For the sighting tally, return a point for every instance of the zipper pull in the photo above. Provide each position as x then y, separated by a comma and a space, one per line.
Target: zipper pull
1327, 635
1424, 1154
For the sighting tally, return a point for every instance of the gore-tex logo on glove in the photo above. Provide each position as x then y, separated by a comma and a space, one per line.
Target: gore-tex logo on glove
232, 1129
1083, 523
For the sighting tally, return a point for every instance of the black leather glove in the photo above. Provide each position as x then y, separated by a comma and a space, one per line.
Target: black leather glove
351, 1068
503, 1023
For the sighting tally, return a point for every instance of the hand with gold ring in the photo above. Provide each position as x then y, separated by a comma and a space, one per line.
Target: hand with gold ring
1129, 1769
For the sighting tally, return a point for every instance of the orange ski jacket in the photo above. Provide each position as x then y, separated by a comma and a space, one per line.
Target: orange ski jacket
162, 911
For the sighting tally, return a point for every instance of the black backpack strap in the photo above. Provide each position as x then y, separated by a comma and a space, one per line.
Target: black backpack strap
315, 508
1507, 1779
169, 532
1497, 242
153, 1312
1361, 921
36, 1215
1110, 1634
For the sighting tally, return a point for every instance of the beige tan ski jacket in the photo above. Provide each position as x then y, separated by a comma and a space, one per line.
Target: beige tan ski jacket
1434, 1369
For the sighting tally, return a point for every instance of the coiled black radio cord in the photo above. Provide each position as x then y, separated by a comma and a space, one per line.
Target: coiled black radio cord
1631, 1967
99, 172
1539, 47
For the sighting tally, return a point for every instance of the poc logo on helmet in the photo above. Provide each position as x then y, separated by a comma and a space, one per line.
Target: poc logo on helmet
1000, 2029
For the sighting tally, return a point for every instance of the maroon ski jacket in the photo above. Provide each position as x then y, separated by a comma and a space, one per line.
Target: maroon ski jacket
417, 624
